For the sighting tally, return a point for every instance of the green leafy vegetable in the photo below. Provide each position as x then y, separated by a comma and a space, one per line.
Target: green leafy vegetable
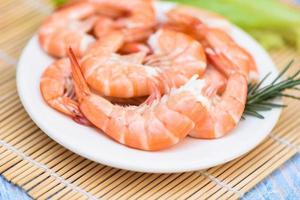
270, 21
59, 2
260, 98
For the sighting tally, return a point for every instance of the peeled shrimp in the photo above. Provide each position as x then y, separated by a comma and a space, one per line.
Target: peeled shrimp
214, 116
147, 127
114, 75
58, 91
68, 27
139, 13
208, 18
220, 114
178, 51
220, 48
136, 24
215, 81
106, 25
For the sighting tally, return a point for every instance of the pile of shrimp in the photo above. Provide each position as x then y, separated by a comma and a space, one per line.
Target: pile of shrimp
145, 82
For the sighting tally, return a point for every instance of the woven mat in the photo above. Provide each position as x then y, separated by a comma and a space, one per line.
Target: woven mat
45, 169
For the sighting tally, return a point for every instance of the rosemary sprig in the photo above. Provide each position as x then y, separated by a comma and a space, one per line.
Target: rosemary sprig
260, 98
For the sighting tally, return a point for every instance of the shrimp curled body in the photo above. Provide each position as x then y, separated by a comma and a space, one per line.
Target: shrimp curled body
111, 74
147, 127
68, 27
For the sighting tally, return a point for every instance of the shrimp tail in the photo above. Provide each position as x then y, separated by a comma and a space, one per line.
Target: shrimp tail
80, 84
185, 20
82, 120
155, 93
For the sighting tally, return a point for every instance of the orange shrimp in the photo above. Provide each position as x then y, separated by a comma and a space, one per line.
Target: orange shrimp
106, 25
177, 50
208, 18
220, 48
147, 127
68, 27
58, 91
215, 81
112, 75
132, 37
137, 25
134, 47
221, 114
139, 13
214, 116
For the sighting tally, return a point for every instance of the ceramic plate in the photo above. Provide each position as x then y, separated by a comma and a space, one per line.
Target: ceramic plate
190, 154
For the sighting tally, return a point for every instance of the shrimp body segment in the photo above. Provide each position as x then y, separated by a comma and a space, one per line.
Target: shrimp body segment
178, 51
137, 24
220, 48
68, 27
221, 114
140, 13
106, 25
114, 75
147, 127
214, 116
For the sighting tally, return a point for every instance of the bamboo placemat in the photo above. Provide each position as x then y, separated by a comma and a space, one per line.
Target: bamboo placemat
46, 170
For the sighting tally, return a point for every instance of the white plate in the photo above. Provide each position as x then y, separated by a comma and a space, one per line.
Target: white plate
190, 154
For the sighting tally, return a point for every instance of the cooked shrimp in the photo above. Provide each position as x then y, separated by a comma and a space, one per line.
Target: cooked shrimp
215, 81
68, 27
147, 127
58, 91
221, 49
106, 25
221, 114
137, 25
134, 47
210, 19
177, 50
140, 13
112, 75
214, 116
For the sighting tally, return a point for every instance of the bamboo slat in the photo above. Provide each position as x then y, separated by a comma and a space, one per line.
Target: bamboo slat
46, 170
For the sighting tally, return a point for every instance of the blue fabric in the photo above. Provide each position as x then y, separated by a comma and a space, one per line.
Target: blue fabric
284, 183
9, 191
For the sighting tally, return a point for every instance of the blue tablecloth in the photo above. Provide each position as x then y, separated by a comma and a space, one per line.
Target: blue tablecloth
284, 183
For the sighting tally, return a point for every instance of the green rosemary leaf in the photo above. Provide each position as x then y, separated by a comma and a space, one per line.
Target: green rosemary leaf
290, 96
259, 107
274, 105
250, 87
295, 75
253, 113
282, 72
260, 98
296, 89
259, 84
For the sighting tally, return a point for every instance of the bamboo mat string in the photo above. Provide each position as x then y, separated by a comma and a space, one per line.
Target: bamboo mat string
285, 142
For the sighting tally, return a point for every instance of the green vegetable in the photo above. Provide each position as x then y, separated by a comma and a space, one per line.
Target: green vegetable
260, 98
278, 22
59, 2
